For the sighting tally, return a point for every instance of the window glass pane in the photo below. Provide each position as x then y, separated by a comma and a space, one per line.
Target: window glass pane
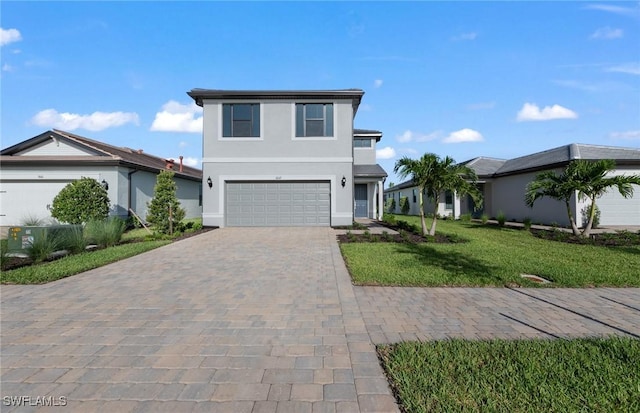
242, 128
329, 118
241, 112
299, 119
448, 200
226, 120
314, 111
362, 143
315, 128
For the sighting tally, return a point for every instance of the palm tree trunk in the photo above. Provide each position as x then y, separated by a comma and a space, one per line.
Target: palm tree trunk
574, 227
592, 213
422, 221
436, 200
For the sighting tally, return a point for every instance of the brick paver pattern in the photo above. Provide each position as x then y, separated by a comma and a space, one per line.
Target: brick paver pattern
256, 320
234, 320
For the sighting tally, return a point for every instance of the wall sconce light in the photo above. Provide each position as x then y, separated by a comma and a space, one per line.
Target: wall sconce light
343, 181
209, 182
105, 185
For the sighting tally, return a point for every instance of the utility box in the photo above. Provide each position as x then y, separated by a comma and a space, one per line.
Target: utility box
21, 238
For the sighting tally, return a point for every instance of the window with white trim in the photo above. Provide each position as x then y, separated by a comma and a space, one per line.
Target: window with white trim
314, 119
241, 120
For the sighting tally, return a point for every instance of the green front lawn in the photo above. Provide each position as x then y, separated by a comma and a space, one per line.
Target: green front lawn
493, 256
75, 264
589, 375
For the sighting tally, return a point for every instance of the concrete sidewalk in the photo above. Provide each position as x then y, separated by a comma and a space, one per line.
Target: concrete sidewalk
234, 320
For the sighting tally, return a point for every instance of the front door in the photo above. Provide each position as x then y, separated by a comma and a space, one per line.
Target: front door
362, 201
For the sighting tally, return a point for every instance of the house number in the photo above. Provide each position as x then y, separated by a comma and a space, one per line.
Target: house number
278, 177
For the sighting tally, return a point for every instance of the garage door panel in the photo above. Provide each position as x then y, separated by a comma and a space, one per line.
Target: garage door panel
278, 203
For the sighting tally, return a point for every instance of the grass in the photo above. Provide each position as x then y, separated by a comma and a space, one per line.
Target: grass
74, 264
494, 256
593, 374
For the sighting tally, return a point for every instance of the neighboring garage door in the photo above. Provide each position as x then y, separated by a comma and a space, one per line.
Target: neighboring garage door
23, 200
617, 210
260, 204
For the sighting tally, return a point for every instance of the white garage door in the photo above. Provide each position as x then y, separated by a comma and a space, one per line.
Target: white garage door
616, 210
20, 200
259, 204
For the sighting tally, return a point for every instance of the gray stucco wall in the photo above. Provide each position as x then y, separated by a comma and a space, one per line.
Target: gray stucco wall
364, 156
278, 155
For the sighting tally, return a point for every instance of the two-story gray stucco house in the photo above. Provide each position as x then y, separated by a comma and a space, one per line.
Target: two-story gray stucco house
287, 158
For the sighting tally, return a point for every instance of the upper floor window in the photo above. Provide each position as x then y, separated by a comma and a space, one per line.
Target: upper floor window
361, 143
241, 120
314, 119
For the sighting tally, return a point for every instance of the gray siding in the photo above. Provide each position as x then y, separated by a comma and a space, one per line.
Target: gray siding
364, 156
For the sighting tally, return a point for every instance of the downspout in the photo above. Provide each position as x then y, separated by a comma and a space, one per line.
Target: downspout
129, 184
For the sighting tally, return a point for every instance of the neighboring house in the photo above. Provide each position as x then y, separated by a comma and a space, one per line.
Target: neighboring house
503, 184
287, 158
34, 171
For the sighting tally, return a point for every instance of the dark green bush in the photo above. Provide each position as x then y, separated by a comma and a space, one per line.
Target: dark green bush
502, 218
391, 205
404, 205
105, 233
81, 201
165, 212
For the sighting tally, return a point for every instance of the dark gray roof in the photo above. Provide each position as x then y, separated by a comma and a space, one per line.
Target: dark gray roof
483, 166
562, 155
403, 185
367, 133
105, 154
368, 171
354, 94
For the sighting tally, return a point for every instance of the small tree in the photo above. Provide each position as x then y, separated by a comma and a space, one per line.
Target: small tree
164, 209
81, 201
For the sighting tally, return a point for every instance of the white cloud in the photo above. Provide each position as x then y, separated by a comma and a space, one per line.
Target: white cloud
607, 33
629, 135
386, 153
183, 144
465, 36
628, 68
531, 112
7, 67
464, 135
176, 117
96, 121
377, 83
410, 136
623, 11
9, 36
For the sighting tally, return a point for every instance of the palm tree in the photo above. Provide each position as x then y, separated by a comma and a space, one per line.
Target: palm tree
433, 176
556, 186
586, 178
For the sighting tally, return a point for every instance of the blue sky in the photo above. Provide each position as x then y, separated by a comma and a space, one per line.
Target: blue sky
464, 79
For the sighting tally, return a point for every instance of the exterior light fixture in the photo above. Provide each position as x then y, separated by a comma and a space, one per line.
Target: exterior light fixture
209, 182
105, 185
343, 181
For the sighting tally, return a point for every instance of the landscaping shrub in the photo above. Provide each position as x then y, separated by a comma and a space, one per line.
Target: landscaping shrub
465, 217
43, 246
165, 212
404, 205
391, 205
81, 201
501, 218
105, 233
32, 221
72, 239
484, 218
527, 223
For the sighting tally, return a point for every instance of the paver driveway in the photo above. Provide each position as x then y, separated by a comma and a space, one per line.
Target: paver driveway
235, 320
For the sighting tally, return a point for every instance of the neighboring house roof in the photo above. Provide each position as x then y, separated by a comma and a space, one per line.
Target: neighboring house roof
368, 171
367, 133
198, 95
103, 154
484, 167
562, 155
